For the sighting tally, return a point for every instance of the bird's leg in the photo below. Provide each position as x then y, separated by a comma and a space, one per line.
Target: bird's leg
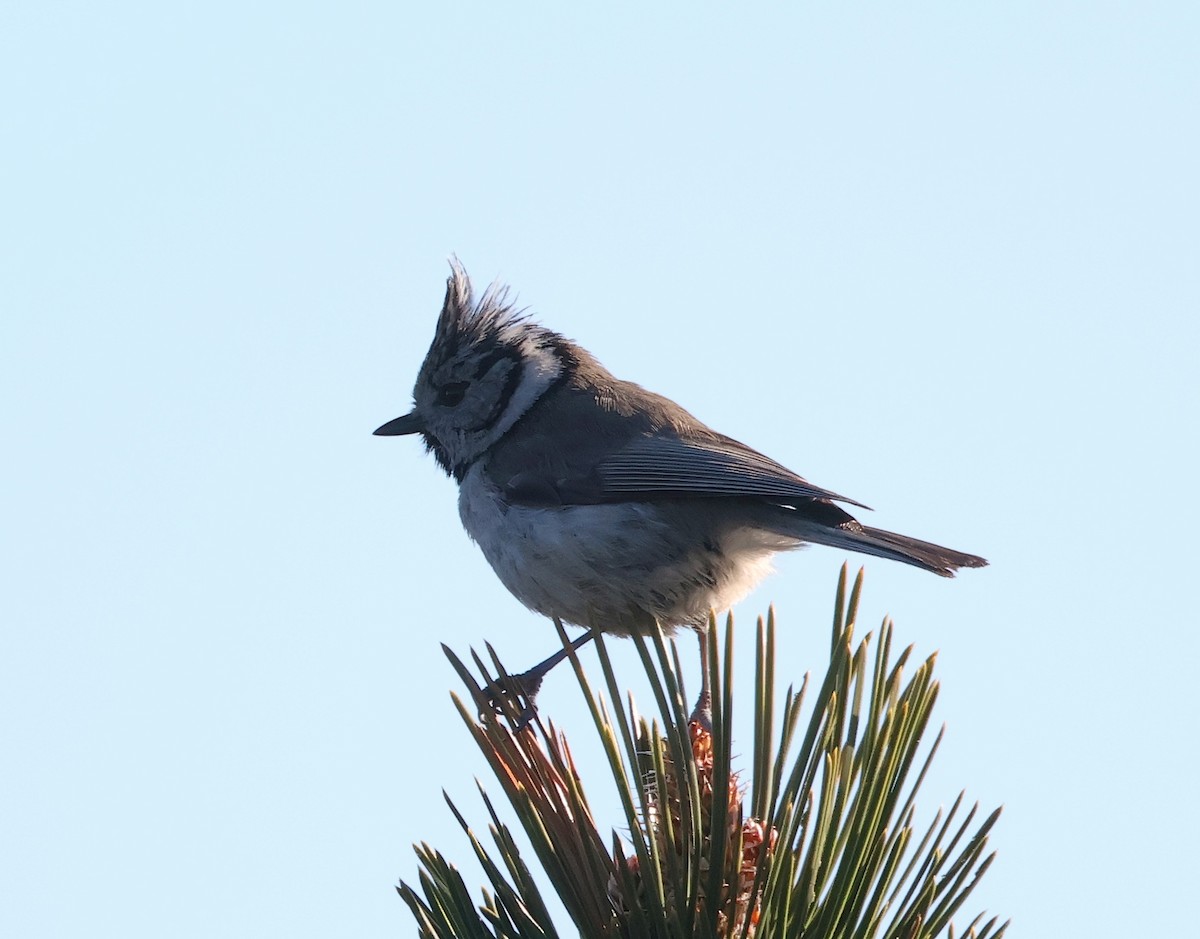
702, 712
528, 683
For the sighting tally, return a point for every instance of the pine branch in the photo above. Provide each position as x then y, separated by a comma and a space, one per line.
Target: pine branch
820, 843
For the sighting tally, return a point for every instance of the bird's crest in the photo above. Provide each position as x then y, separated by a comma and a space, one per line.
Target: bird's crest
466, 321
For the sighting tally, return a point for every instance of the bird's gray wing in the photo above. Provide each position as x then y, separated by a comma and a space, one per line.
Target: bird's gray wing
666, 466
581, 448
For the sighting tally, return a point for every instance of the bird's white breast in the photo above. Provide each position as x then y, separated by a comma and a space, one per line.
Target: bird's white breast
616, 565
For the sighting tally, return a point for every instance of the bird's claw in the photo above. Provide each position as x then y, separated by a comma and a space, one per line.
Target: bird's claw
503, 694
701, 714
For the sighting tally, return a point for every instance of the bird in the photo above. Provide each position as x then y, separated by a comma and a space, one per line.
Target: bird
602, 504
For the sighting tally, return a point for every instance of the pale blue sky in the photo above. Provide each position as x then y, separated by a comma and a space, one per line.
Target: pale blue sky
942, 259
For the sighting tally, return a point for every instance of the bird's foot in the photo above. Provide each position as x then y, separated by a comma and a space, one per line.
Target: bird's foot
702, 712
514, 695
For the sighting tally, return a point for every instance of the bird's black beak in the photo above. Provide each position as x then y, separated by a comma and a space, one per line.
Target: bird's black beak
408, 424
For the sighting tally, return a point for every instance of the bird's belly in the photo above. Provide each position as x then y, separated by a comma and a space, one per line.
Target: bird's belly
617, 566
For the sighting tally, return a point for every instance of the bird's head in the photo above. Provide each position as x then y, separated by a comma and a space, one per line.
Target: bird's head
487, 365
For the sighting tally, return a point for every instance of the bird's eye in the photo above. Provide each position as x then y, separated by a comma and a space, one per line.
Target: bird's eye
452, 393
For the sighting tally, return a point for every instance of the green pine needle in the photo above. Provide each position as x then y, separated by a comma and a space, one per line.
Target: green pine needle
818, 842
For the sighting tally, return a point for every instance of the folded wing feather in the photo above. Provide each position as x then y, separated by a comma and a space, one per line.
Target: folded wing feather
665, 466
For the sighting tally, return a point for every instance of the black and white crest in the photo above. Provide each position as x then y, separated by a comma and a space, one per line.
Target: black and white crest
463, 322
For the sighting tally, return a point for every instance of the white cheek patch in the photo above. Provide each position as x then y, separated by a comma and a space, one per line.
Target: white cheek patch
540, 368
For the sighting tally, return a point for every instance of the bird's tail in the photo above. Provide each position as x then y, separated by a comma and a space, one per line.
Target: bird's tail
824, 523
887, 544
